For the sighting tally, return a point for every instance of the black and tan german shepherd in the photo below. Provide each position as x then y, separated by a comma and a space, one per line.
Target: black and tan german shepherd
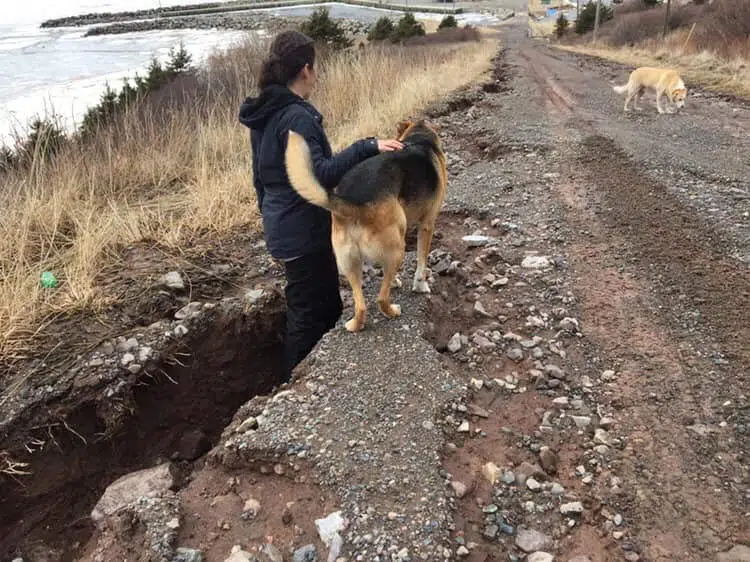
374, 204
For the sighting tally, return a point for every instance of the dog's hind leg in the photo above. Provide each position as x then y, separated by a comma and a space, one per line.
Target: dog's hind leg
392, 261
424, 240
349, 260
659, 107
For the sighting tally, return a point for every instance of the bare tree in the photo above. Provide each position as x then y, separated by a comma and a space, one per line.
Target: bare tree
666, 20
596, 18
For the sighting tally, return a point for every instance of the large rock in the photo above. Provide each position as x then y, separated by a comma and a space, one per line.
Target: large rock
126, 490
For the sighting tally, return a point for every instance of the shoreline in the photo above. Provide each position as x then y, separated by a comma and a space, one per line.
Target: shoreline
214, 8
250, 21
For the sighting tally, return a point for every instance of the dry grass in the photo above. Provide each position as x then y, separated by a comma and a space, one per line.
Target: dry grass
172, 172
543, 29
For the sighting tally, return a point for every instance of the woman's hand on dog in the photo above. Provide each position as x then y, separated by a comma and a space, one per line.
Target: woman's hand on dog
389, 145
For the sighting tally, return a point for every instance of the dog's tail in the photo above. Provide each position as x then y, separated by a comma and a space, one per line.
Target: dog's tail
299, 169
620, 89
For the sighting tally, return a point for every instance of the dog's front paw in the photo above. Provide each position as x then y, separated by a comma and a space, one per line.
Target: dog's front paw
420, 286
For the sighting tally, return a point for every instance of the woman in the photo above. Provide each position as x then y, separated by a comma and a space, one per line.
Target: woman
298, 233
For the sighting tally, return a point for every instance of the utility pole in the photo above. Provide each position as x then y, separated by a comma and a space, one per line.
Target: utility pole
578, 9
666, 19
596, 18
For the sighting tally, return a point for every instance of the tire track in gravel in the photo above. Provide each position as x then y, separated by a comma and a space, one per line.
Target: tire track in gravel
640, 240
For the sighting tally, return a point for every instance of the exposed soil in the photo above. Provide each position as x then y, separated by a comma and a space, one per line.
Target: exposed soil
593, 348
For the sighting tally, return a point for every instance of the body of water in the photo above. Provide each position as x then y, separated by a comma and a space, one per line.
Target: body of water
60, 72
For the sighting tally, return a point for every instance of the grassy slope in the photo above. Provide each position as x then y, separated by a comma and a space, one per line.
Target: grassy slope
168, 178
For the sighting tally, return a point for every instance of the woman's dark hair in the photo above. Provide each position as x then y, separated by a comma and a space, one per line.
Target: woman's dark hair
290, 52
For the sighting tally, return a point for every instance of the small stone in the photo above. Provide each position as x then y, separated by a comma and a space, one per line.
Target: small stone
307, 553
476, 384
254, 295
530, 540
479, 310
509, 477
188, 555
193, 444
459, 488
536, 262
540, 556
491, 472
454, 344
462, 551
580, 559
464, 427
601, 437
581, 422
557, 489
483, 343
127, 359
606, 422
554, 371
188, 310
569, 324
251, 509
272, 553
738, 553
474, 240
515, 354
490, 531
635, 557
533, 485
172, 280
572, 508
617, 519
608, 376
617, 535
561, 401
548, 460
247, 425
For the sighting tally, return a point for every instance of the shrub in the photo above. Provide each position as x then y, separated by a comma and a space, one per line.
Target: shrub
587, 17
407, 27
561, 25
448, 22
322, 28
382, 30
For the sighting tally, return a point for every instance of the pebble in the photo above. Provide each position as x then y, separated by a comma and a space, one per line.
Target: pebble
608, 376
536, 262
247, 425
509, 477
530, 540
490, 531
480, 310
491, 472
475, 240
533, 485
251, 508
515, 354
307, 553
557, 489
127, 359
454, 344
272, 553
569, 324
580, 558
540, 556
554, 371
459, 488
462, 551
618, 520
571, 508
738, 553
548, 460
254, 295
172, 280
581, 422
601, 437
464, 427
188, 555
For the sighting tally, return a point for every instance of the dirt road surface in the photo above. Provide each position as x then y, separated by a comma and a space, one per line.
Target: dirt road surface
594, 348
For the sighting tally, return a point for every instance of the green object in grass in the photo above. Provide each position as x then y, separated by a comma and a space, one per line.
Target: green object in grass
48, 280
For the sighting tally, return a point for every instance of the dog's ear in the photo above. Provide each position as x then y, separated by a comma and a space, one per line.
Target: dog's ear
402, 126
679, 91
